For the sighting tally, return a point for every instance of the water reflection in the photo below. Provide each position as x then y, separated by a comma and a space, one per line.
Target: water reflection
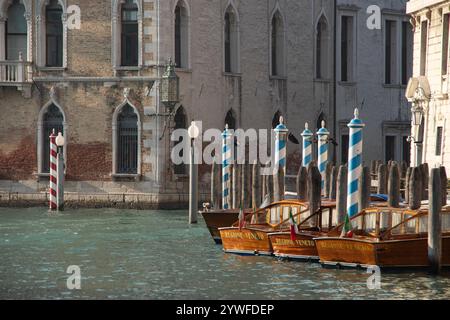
130, 254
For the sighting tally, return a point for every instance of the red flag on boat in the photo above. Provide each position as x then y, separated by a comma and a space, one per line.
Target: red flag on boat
241, 218
294, 227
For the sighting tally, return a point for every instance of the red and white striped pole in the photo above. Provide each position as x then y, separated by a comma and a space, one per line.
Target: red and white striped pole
53, 172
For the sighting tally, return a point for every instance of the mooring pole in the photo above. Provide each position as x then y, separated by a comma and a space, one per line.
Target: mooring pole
382, 179
256, 185
341, 193
364, 191
354, 163
394, 186
307, 146
407, 177
280, 149
301, 184
415, 189
443, 185
322, 155
333, 182
314, 189
226, 173
434, 221
53, 172
59, 140
193, 132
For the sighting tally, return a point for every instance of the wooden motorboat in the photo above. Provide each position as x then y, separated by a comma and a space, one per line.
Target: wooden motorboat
216, 219
303, 246
252, 238
386, 237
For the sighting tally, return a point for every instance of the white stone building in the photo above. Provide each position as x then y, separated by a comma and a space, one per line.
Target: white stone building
431, 68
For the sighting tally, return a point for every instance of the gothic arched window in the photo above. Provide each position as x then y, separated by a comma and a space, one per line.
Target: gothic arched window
181, 35
53, 119
180, 123
277, 45
127, 141
231, 38
322, 49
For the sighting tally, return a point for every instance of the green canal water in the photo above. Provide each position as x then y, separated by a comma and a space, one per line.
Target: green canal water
126, 254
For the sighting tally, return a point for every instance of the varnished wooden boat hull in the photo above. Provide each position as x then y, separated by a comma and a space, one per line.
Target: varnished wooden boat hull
219, 219
303, 248
245, 241
387, 254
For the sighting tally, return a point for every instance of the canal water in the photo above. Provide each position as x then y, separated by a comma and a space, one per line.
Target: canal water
126, 254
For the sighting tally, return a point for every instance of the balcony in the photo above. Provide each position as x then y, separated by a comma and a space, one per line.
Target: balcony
16, 73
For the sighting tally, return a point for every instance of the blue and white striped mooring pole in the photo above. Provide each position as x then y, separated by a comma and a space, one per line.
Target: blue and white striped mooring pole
280, 145
226, 172
354, 163
307, 146
322, 155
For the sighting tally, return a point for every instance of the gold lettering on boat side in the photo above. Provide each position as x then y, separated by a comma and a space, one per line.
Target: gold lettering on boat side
242, 235
300, 242
345, 245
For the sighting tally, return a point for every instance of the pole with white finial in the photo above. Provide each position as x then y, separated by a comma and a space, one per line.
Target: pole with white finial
307, 145
322, 155
226, 172
280, 145
354, 163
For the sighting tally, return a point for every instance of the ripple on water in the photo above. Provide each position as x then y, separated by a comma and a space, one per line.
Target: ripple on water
127, 254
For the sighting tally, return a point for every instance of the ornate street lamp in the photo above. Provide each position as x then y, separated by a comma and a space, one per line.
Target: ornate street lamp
170, 87
417, 113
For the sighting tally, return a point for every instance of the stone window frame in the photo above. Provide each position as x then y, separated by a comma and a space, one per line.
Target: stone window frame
231, 6
398, 129
281, 74
4, 5
41, 35
398, 18
40, 138
186, 5
116, 37
350, 11
115, 147
325, 72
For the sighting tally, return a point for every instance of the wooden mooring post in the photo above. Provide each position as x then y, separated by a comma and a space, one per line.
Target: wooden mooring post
333, 182
406, 185
382, 179
443, 185
301, 184
415, 189
394, 186
434, 221
425, 177
314, 189
364, 189
256, 185
341, 193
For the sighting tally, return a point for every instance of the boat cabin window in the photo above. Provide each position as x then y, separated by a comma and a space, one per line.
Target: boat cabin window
275, 214
386, 218
370, 222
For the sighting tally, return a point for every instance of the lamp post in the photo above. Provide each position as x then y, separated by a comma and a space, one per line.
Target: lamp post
193, 133
417, 112
170, 86
60, 141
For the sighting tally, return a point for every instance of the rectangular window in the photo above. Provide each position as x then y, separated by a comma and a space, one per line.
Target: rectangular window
445, 22
406, 51
423, 47
390, 52
344, 148
439, 141
406, 150
346, 47
389, 150
54, 37
129, 36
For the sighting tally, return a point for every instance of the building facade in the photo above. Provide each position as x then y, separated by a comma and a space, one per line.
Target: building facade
428, 90
373, 66
243, 63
